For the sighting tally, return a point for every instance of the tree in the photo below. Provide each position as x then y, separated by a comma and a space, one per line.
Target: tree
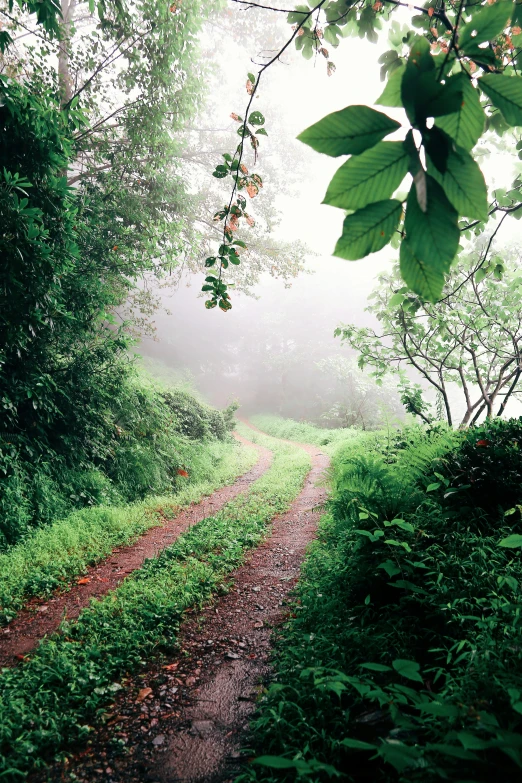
455, 75
132, 74
138, 78
352, 398
84, 216
472, 336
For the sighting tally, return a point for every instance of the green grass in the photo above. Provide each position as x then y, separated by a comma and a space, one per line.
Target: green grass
303, 432
53, 700
58, 553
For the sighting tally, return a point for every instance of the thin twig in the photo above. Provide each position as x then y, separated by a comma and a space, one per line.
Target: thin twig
252, 95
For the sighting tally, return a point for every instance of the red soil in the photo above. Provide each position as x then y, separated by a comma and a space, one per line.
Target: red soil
42, 617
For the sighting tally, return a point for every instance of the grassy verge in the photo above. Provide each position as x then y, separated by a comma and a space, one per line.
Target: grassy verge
51, 701
403, 660
55, 555
303, 432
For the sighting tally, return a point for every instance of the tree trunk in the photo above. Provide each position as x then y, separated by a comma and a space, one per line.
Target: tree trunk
64, 72
465, 421
509, 392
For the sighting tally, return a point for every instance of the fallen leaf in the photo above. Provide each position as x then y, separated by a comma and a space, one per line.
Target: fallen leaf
118, 719
171, 666
142, 695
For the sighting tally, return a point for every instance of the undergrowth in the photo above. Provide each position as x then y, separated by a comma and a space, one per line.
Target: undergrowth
57, 553
133, 443
402, 662
52, 701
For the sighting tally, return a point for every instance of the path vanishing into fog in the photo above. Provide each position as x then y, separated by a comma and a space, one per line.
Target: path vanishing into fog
185, 719
41, 617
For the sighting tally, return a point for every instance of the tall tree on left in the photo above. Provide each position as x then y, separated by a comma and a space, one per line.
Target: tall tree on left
85, 212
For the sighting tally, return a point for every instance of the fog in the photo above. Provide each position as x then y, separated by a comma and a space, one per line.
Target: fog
275, 350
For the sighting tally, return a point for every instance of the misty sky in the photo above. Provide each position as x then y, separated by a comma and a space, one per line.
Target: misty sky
298, 93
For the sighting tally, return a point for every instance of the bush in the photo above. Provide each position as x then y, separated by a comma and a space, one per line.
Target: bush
402, 662
194, 418
486, 470
149, 434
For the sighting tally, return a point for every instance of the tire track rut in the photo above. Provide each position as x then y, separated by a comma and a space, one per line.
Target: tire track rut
42, 617
190, 724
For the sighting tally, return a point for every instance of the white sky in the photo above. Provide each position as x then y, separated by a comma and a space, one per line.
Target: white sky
303, 92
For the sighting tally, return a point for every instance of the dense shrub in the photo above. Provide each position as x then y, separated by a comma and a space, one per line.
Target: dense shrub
149, 435
402, 662
486, 470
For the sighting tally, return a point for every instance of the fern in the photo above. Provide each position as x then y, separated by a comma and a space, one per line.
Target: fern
366, 481
420, 459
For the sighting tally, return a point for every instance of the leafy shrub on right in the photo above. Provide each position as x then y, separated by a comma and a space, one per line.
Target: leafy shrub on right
402, 662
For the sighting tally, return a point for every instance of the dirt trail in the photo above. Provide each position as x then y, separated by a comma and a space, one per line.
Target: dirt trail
306, 446
42, 617
186, 721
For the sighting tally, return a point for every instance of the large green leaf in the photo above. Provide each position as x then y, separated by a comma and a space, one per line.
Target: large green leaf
486, 24
408, 669
436, 99
349, 131
463, 184
280, 762
465, 126
372, 176
355, 744
368, 230
422, 94
424, 279
506, 94
511, 542
391, 95
419, 62
433, 234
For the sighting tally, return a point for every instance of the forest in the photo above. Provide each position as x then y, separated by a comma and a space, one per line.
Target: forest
260, 459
